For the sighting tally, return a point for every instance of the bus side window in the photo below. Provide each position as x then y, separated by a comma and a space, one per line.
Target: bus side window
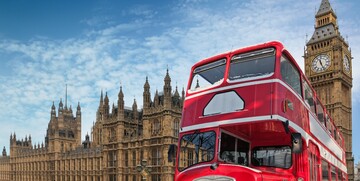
340, 140
329, 127
339, 175
320, 112
290, 74
333, 173
309, 100
327, 119
334, 132
325, 170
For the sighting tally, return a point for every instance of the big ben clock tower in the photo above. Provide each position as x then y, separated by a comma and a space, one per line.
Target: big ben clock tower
328, 66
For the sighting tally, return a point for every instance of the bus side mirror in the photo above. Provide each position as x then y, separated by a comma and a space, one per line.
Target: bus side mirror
296, 142
172, 153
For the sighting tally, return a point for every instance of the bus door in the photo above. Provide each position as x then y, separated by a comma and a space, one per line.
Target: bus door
314, 162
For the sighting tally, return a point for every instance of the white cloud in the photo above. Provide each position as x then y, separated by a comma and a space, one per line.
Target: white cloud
105, 57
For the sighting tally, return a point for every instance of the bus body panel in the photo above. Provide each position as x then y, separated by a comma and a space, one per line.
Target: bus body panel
260, 114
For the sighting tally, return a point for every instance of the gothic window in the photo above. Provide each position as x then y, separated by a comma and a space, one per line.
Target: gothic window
71, 134
190, 158
112, 158
156, 156
155, 127
126, 159
134, 158
156, 177
112, 135
112, 177
176, 127
100, 136
62, 146
62, 133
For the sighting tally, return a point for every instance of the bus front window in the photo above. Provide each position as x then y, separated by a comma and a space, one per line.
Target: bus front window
258, 64
234, 150
208, 75
279, 157
196, 148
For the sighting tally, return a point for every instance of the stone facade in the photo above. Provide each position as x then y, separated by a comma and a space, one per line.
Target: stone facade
127, 143
331, 76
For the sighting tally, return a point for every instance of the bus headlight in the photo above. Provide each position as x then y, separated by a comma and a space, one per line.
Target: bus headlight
300, 179
215, 178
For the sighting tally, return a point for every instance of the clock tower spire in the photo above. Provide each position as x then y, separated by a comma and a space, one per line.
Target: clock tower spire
328, 67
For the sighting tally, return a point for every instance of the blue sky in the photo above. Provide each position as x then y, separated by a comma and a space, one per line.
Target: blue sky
98, 45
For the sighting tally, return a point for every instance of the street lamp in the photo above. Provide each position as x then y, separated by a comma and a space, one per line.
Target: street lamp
143, 169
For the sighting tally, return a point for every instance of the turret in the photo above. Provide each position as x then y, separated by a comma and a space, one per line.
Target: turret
14, 138
167, 90
53, 111
146, 95
120, 104
78, 111
87, 143
101, 100
4, 152
135, 112
61, 107
113, 109
176, 94
100, 113
156, 99
71, 111
106, 106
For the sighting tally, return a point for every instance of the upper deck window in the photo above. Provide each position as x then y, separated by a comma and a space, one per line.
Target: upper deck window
208, 75
290, 74
309, 100
258, 63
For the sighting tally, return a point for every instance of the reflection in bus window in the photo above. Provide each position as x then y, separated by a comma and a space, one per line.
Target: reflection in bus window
208, 75
325, 170
272, 157
333, 173
309, 100
320, 112
290, 74
234, 150
196, 148
259, 63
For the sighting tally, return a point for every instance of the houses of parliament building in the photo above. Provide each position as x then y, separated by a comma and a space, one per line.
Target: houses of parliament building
129, 144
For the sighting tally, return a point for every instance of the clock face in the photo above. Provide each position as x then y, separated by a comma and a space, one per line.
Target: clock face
346, 64
320, 63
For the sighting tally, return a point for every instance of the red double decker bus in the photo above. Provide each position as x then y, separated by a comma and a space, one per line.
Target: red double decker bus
251, 115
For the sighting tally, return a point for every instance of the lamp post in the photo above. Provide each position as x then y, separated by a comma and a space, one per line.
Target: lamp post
143, 169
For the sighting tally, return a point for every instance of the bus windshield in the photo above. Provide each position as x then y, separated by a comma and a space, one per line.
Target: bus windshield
234, 150
196, 148
208, 75
272, 156
260, 63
